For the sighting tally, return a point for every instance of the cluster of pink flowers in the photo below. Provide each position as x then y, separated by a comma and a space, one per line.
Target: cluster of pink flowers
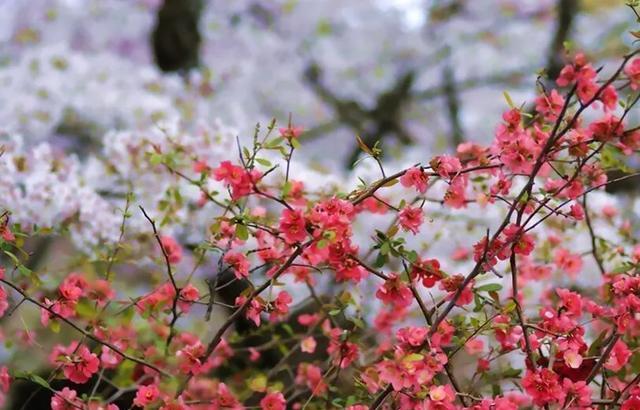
379, 320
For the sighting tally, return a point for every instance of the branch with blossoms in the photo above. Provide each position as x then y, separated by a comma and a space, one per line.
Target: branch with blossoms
350, 297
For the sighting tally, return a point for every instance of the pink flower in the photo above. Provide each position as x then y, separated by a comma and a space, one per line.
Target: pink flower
5, 232
632, 70
172, 248
4, 303
446, 166
253, 310
580, 390
550, 105
619, 356
5, 379
239, 263
189, 358
293, 226
474, 346
609, 98
273, 401
412, 336
428, 271
394, 291
344, 352
524, 243
572, 359
291, 132
568, 262
411, 218
455, 195
607, 128
311, 376
188, 295
577, 211
66, 399
236, 177
110, 359
442, 394
146, 395
101, 292
415, 177
571, 301
280, 306
77, 361
452, 284
308, 344
543, 386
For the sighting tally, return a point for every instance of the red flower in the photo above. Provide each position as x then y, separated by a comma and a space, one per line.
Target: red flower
280, 306
172, 248
632, 70
543, 386
619, 356
550, 105
411, 218
415, 177
146, 395
188, 295
291, 132
239, 263
395, 292
66, 399
293, 226
273, 401
446, 166
77, 361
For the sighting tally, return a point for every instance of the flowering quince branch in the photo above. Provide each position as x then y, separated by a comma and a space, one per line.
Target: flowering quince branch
527, 191
84, 332
350, 299
176, 289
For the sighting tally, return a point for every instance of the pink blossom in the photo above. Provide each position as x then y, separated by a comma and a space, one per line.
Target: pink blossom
77, 361
632, 70
415, 177
273, 401
446, 166
66, 399
411, 218
293, 226
172, 248
146, 395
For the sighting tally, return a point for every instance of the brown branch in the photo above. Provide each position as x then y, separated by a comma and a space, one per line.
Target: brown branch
84, 332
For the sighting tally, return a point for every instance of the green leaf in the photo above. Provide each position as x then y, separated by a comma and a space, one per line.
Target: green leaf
508, 98
511, 373
489, 287
155, 159
33, 378
263, 161
594, 349
242, 232
24, 270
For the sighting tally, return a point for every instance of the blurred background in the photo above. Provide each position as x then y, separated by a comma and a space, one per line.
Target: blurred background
406, 72
87, 85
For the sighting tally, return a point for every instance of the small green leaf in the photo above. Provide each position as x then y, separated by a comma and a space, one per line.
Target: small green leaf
489, 287
263, 161
242, 232
508, 98
33, 378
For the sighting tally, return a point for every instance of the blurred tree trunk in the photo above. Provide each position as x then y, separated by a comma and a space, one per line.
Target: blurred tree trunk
176, 36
